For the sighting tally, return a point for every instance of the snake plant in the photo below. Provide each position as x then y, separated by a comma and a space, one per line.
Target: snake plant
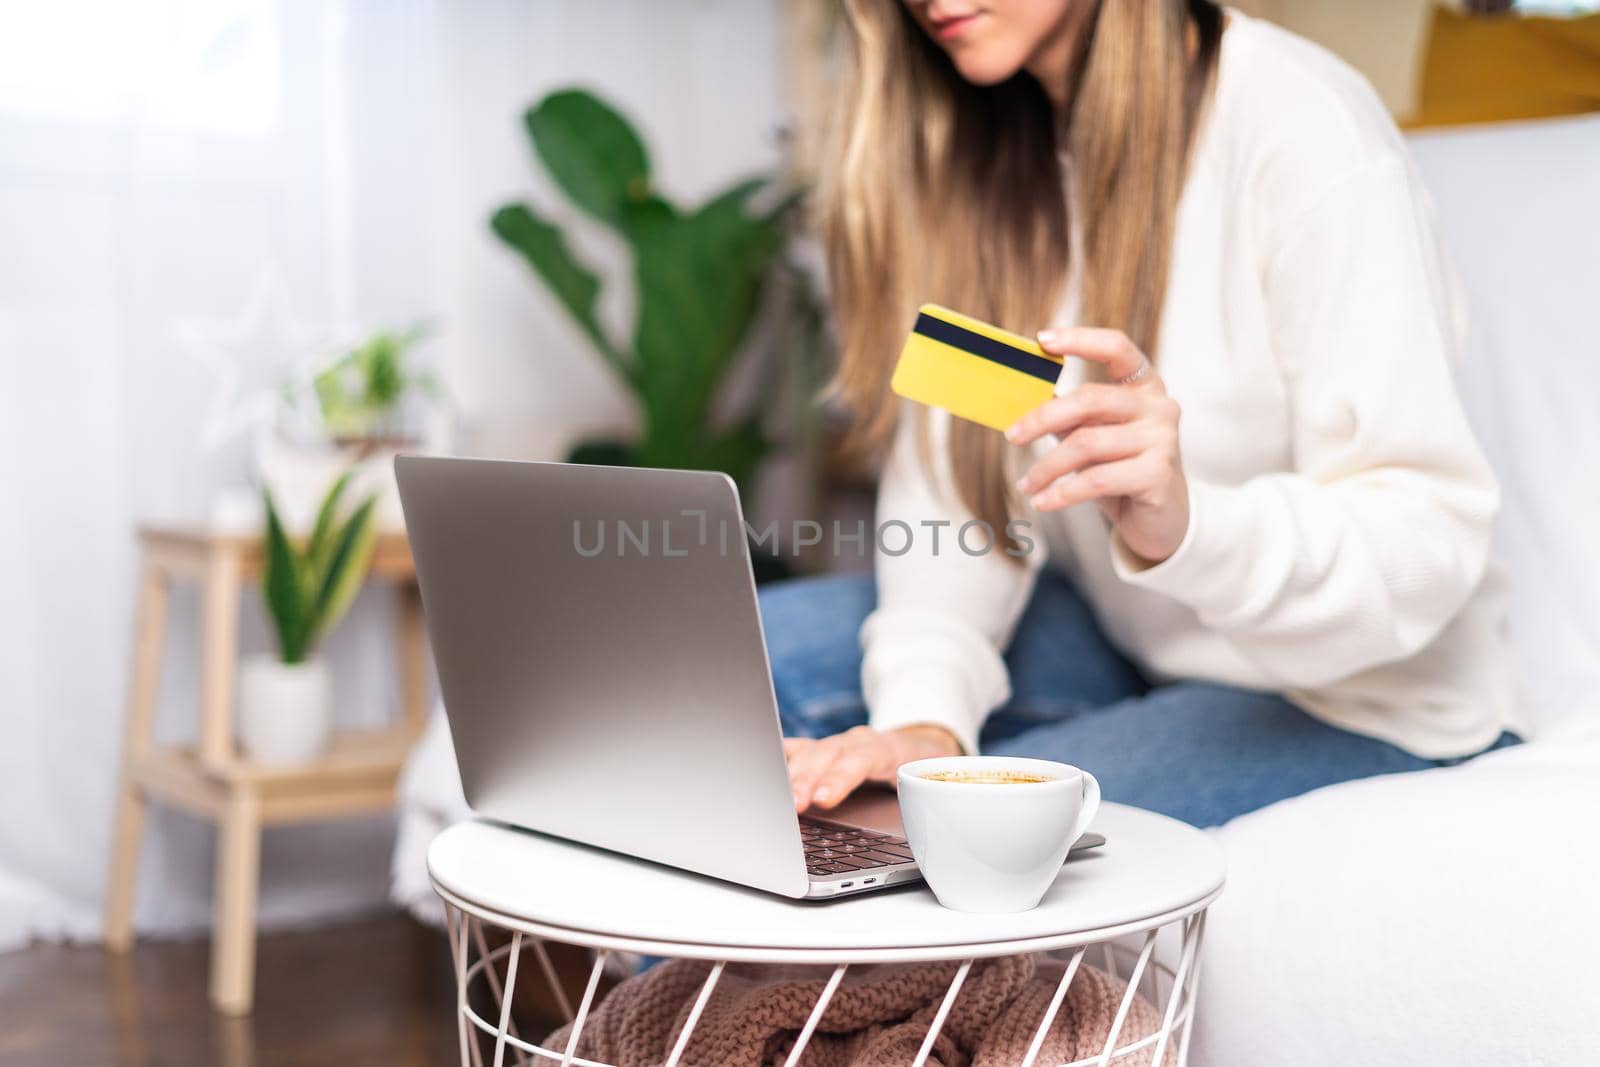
309, 587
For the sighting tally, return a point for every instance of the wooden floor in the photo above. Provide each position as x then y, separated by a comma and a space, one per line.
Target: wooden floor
377, 991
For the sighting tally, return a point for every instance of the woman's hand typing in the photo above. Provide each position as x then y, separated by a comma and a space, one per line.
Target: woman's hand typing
825, 771
1117, 444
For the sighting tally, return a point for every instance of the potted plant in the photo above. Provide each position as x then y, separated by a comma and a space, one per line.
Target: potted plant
700, 275
356, 413
286, 700
361, 394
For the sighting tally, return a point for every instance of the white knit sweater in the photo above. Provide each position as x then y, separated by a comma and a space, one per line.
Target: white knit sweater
1340, 508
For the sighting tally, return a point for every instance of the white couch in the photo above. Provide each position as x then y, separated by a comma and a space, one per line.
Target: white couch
1450, 917
1453, 916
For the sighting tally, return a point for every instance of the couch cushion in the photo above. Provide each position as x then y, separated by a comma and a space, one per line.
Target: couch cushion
1446, 917
1517, 209
1496, 69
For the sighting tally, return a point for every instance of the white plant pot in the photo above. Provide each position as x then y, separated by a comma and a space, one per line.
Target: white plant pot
285, 709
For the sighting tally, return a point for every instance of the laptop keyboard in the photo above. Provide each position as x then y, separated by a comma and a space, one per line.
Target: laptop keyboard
834, 849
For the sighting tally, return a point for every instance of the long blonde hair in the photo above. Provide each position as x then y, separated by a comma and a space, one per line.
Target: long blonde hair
939, 190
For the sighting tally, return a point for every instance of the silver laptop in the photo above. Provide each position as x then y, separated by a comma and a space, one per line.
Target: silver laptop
600, 654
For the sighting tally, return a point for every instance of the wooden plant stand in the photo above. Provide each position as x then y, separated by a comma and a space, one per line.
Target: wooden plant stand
210, 778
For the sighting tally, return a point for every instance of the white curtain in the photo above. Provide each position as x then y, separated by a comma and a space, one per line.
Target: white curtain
165, 168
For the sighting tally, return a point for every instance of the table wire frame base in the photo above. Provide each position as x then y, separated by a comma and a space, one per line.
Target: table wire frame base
1170, 984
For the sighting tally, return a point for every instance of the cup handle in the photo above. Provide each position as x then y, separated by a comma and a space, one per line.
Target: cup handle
1091, 805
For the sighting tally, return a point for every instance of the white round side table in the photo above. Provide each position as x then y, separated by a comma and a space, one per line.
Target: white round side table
1154, 874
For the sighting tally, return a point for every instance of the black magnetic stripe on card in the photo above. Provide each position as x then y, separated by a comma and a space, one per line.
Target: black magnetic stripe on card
987, 347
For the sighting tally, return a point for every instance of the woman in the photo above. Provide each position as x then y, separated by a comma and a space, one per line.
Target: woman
1212, 221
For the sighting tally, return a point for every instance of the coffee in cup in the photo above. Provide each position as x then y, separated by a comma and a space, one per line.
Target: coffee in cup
987, 777
991, 832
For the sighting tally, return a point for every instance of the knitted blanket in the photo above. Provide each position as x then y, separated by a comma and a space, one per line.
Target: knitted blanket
878, 1016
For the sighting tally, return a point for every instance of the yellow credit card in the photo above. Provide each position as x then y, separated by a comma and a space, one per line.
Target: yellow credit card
973, 370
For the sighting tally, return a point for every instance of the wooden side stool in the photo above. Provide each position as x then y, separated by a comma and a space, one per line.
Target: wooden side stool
211, 778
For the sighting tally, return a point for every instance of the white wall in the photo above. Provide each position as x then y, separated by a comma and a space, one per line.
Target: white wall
155, 160
1384, 39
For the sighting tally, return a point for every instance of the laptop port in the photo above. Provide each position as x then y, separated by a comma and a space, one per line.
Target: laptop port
846, 885
868, 881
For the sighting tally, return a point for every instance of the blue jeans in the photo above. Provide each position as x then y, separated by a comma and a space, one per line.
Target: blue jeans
1197, 751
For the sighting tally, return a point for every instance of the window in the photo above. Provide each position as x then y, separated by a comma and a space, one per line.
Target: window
197, 65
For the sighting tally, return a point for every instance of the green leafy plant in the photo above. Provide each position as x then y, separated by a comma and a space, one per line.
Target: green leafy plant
309, 588
698, 275
360, 394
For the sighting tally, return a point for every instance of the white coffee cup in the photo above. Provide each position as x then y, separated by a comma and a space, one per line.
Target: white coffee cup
993, 847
